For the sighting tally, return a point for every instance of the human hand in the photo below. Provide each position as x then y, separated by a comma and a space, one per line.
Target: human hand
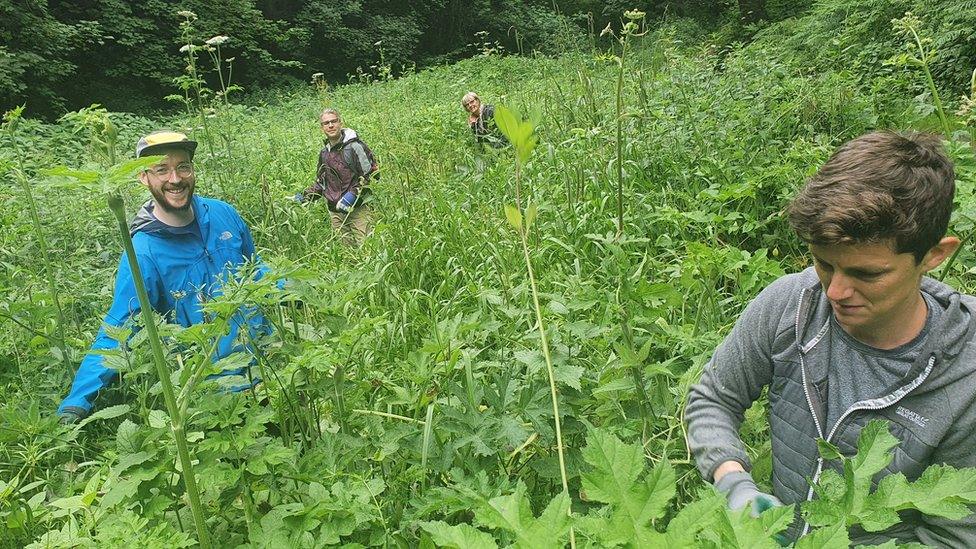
347, 201
741, 490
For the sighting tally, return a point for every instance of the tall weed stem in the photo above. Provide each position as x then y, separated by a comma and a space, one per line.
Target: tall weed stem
169, 396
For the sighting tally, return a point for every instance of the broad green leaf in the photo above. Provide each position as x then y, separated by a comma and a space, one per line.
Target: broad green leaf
873, 447
126, 171
941, 491
514, 216
126, 438
513, 513
552, 526
510, 512
832, 504
158, 419
747, 532
105, 413
828, 450
521, 133
461, 536
506, 122
698, 515
613, 479
530, 213
830, 537
86, 178
615, 467
568, 374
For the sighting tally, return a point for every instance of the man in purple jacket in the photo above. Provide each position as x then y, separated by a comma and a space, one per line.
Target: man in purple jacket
345, 168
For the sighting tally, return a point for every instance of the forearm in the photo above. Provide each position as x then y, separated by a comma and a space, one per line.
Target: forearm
713, 431
725, 468
92, 376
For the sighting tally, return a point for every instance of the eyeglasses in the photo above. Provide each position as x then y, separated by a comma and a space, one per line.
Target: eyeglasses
330, 122
183, 170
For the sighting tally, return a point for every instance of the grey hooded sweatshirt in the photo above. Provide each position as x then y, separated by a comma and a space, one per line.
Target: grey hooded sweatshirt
784, 340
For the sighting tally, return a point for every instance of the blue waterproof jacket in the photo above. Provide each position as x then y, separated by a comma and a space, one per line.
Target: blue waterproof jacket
182, 268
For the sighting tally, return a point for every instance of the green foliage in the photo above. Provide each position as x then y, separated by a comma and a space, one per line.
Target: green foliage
847, 498
404, 403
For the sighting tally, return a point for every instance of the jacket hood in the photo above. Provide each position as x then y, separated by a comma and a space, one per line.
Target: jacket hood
145, 220
348, 136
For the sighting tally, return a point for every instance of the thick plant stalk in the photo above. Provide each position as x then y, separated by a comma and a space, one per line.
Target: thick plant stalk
169, 396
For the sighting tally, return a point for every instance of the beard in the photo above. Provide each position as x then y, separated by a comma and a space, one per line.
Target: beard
163, 199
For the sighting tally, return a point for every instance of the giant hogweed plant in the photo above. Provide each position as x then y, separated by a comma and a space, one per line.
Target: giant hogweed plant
629, 506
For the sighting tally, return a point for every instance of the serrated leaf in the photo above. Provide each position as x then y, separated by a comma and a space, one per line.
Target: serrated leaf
461, 536
941, 491
532, 358
508, 512
693, 518
83, 177
873, 449
830, 537
513, 513
126, 438
568, 374
612, 479
158, 419
551, 527
105, 413
615, 467
619, 384
748, 532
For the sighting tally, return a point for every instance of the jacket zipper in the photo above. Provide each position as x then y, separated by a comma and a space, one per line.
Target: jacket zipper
873, 404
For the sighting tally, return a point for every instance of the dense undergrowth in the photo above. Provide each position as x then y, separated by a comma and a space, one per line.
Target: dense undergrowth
407, 403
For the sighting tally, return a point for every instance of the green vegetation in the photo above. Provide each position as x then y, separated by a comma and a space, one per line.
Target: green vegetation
505, 361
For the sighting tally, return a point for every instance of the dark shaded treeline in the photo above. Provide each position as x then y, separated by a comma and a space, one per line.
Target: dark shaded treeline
60, 55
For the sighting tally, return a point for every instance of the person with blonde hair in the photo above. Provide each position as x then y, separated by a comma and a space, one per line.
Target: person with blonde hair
481, 120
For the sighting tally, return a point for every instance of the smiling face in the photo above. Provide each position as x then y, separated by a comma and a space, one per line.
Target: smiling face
873, 291
472, 105
171, 182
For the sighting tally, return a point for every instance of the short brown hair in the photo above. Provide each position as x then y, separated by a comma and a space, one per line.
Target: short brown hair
880, 186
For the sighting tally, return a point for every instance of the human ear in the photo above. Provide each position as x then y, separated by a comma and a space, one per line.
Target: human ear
940, 252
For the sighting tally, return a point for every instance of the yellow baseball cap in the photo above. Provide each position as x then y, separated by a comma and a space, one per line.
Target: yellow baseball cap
161, 140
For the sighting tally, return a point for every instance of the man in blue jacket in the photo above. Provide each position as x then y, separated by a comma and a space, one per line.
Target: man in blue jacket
186, 246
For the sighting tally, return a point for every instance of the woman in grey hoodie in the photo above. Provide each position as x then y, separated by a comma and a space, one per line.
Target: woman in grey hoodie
861, 335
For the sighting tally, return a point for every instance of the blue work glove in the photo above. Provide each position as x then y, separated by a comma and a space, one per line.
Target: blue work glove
741, 490
346, 203
300, 197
